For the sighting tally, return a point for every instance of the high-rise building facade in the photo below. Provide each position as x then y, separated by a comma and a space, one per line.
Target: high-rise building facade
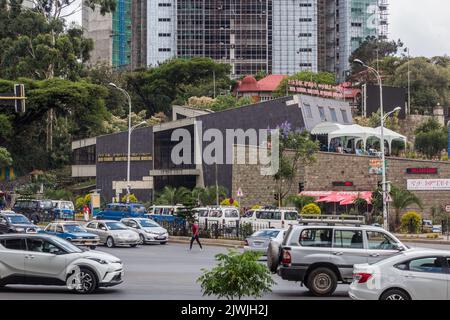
295, 36
237, 32
349, 23
161, 31
274, 36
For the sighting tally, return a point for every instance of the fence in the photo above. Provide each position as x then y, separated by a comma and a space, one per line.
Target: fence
215, 230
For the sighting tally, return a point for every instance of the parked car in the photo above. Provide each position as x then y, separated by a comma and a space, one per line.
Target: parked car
160, 213
73, 232
259, 241
118, 211
149, 231
412, 275
63, 209
271, 218
222, 215
11, 222
113, 233
321, 256
35, 210
47, 260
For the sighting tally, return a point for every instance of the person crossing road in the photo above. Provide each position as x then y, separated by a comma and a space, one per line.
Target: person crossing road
195, 235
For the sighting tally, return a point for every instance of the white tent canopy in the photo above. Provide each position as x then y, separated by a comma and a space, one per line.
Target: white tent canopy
357, 132
326, 128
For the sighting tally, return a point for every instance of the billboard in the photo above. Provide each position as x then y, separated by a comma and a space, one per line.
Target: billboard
393, 97
428, 184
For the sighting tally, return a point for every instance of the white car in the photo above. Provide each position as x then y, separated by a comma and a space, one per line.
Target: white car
48, 260
410, 275
149, 231
260, 240
271, 218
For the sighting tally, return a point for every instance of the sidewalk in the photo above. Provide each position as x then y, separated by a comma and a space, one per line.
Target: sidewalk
422, 238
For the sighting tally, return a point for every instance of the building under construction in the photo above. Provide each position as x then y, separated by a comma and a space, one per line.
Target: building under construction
279, 37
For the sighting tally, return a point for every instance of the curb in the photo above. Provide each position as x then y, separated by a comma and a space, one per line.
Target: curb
209, 242
424, 241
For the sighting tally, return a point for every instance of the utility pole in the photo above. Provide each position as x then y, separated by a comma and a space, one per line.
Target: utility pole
409, 85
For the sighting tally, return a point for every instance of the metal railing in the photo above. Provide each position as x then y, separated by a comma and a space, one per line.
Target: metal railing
233, 230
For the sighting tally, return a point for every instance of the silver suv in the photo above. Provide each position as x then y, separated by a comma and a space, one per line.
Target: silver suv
321, 256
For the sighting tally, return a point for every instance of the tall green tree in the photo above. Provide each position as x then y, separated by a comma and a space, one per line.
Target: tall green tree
173, 196
296, 148
208, 196
431, 139
156, 89
402, 199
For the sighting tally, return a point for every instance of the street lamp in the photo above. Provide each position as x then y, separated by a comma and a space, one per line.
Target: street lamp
129, 136
383, 155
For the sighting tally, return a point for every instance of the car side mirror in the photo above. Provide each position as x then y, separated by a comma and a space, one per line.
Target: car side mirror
399, 247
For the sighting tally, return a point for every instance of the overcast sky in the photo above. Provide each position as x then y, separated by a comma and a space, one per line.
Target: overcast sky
424, 26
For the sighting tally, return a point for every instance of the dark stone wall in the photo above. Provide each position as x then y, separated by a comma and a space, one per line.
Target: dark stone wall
269, 114
107, 172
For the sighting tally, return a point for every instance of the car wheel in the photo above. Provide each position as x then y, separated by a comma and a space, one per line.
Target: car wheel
322, 282
133, 245
163, 243
142, 239
93, 247
110, 242
395, 294
273, 256
88, 282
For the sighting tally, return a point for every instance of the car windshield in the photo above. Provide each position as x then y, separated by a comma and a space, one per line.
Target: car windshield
139, 209
67, 205
18, 219
266, 234
66, 245
248, 214
74, 228
202, 213
116, 226
45, 205
147, 223
291, 215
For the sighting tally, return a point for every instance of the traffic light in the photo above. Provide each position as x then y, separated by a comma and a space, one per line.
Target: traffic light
301, 187
276, 196
19, 92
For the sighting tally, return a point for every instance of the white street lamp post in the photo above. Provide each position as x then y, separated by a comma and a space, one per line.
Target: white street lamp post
383, 155
130, 129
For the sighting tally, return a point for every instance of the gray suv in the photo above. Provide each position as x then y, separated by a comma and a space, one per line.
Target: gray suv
320, 257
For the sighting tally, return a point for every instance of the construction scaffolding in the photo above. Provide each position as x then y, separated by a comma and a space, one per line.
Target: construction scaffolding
121, 26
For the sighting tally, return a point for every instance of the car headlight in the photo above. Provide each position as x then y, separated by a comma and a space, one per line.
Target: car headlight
101, 261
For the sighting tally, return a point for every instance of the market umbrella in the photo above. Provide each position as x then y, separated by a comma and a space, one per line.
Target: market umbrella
333, 198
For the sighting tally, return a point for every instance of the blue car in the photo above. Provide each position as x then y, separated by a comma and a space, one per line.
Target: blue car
73, 232
119, 211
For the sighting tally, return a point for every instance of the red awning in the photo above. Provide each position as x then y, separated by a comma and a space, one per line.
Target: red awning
343, 197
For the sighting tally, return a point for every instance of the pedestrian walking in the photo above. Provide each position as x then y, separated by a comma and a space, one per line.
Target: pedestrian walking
86, 212
195, 235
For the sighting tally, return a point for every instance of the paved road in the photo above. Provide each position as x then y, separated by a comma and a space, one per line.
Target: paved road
161, 272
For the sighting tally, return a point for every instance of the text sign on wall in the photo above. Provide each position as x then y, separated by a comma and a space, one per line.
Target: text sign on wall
422, 171
120, 157
429, 184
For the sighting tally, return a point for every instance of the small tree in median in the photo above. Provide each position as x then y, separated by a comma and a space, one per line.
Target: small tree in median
236, 276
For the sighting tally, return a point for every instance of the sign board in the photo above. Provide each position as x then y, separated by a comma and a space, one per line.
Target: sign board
95, 200
375, 166
121, 157
428, 184
422, 171
447, 208
343, 184
388, 197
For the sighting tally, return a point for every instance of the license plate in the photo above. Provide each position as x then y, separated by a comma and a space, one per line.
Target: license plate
160, 238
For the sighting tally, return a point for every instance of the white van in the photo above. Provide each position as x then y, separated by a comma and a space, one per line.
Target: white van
221, 214
279, 218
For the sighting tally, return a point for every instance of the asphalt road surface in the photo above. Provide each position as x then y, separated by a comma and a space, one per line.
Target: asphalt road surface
166, 272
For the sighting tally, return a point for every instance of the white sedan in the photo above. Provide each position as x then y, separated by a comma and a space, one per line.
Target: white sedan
410, 275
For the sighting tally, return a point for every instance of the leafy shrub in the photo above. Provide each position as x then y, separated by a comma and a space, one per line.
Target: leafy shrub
411, 222
133, 199
311, 209
229, 202
236, 275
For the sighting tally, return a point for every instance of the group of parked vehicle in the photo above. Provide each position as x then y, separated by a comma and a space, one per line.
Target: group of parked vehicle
378, 266
44, 210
